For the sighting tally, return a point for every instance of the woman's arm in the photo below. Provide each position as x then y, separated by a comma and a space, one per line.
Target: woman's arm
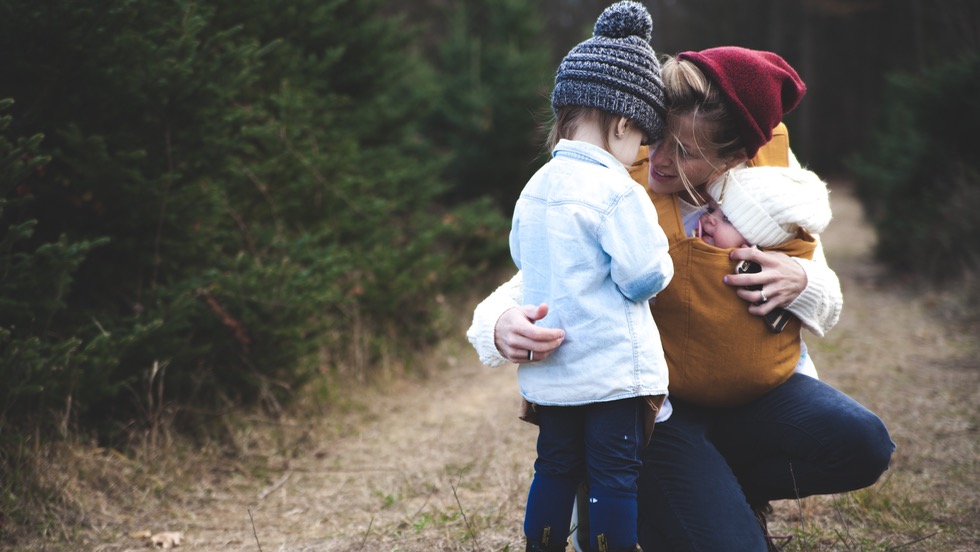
503, 330
820, 304
808, 289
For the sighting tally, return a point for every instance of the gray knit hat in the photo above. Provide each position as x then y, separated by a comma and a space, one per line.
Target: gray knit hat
616, 70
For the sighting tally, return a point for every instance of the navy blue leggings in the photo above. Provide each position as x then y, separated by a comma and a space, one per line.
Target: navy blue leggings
597, 442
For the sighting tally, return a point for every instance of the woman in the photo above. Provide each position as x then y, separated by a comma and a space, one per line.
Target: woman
709, 473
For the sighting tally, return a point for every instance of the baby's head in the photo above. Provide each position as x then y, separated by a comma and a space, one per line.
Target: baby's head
615, 72
765, 206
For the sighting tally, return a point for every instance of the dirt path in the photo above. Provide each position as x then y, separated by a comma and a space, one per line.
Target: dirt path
400, 477
442, 463
428, 452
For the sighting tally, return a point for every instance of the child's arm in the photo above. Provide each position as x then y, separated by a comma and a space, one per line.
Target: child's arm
637, 246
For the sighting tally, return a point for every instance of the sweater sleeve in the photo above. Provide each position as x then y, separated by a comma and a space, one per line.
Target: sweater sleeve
820, 304
481, 331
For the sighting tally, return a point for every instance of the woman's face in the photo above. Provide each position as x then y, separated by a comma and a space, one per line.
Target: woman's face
679, 152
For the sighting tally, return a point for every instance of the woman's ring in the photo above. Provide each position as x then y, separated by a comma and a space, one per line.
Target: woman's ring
763, 293
530, 354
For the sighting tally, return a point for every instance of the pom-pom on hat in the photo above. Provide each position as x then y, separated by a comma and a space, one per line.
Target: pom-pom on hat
760, 88
616, 70
767, 205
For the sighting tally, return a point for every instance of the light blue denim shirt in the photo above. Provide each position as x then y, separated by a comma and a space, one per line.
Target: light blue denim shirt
587, 240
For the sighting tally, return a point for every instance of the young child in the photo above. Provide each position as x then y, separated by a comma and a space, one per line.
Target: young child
773, 208
587, 239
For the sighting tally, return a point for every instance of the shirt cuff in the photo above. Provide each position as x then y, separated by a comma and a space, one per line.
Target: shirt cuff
819, 305
481, 331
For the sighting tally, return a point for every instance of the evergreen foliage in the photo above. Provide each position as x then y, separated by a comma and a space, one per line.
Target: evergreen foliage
35, 279
495, 105
239, 194
919, 180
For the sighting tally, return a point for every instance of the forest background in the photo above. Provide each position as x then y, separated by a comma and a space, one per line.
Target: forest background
211, 207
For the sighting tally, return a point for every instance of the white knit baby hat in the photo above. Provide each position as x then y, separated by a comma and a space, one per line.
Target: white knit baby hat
768, 204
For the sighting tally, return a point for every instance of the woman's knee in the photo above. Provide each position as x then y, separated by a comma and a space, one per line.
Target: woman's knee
870, 449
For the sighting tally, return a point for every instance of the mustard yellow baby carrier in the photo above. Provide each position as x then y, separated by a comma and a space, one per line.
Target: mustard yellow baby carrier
717, 353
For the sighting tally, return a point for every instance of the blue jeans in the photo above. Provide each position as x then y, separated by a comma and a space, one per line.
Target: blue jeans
599, 442
704, 467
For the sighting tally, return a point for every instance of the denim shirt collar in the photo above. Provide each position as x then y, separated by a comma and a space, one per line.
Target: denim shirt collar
588, 153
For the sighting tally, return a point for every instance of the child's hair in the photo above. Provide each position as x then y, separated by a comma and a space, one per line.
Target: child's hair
569, 118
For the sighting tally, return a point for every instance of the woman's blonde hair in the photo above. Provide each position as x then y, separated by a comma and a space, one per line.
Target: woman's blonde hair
691, 93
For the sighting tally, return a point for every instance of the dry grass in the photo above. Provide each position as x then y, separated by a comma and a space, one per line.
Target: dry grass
439, 461
895, 351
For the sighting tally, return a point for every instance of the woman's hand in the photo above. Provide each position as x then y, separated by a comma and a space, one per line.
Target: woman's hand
519, 340
782, 280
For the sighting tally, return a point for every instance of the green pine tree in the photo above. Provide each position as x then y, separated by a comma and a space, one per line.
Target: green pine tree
260, 185
495, 98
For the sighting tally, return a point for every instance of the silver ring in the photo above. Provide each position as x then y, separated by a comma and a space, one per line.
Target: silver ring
763, 293
530, 354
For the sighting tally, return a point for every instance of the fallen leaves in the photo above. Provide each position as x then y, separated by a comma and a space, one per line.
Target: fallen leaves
164, 539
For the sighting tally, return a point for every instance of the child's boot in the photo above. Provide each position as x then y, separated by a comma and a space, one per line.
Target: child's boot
604, 546
538, 547
545, 544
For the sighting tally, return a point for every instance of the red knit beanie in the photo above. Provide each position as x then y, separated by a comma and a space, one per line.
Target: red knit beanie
760, 87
